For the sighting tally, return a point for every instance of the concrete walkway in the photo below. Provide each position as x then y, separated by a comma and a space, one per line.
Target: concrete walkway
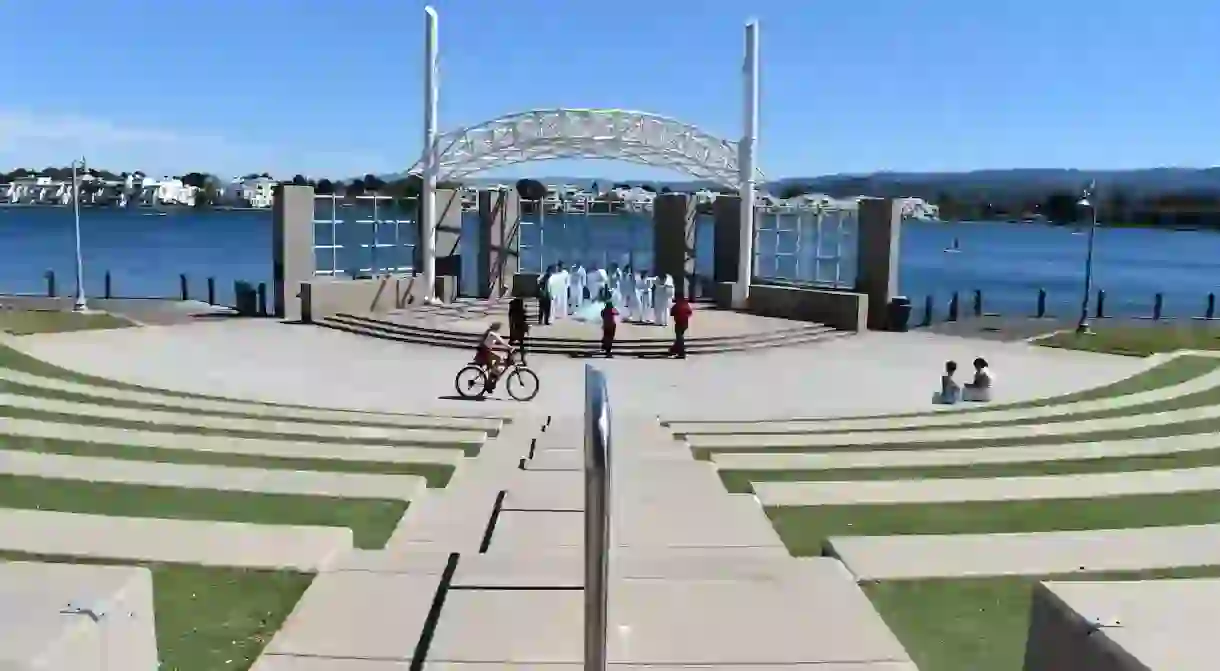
1043, 553
960, 490
793, 461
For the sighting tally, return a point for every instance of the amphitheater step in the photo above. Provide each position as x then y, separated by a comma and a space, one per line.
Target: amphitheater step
437, 336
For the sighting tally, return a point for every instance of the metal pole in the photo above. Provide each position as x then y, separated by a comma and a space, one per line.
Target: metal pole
80, 305
745, 167
1082, 326
597, 517
428, 193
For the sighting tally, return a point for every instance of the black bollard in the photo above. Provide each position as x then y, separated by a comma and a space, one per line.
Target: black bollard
211, 291
1101, 304
1041, 303
928, 308
978, 302
107, 286
953, 303
52, 292
184, 288
1158, 305
1211, 307
262, 299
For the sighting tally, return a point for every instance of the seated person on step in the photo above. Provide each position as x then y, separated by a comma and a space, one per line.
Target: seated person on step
979, 389
950, 392
486, 355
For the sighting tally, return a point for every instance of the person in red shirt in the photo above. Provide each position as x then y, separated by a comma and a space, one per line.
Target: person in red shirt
681, 312
609, 324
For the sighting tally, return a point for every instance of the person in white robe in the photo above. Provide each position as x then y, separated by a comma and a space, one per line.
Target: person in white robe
576, 292
565, 285
616, 285
597, 280
665, 298
647, 299
558, 290
642, 313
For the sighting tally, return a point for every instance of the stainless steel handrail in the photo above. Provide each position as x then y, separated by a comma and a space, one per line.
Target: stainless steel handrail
597, 517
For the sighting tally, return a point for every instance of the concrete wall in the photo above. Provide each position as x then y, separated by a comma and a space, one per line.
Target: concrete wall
1059, 639
877, 245
324, 296
844, 310
673, 239
292, 248
499, 242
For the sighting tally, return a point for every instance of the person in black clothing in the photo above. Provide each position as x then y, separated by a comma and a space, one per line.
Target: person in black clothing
544, 297
518, 327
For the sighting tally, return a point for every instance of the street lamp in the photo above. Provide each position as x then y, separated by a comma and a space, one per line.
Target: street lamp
1082, 326
80, 305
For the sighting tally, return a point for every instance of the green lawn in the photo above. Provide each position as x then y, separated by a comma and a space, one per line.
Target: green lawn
805, 529
1140, 339
979, 623
26, 322
210, 619
371, 520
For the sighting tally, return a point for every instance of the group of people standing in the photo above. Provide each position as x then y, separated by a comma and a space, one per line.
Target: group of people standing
582, 294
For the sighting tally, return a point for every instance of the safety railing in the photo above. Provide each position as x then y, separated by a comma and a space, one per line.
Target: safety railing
805, 245
597, 517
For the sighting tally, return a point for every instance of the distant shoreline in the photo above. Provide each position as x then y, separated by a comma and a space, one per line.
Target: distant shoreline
138, 208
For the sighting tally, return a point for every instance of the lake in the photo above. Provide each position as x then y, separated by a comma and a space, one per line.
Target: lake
1008, 262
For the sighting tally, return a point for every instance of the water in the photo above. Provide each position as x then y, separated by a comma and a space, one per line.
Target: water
1008, 262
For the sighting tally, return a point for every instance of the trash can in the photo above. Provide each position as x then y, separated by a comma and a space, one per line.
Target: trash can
245, 299
900, 314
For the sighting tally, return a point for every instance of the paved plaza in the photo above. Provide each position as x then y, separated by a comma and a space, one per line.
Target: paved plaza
763, 503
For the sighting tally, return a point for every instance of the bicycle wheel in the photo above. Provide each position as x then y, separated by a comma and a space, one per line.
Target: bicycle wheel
521, 383
471, 382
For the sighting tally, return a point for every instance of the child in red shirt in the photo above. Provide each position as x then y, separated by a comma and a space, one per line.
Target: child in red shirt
681, 312
609, 324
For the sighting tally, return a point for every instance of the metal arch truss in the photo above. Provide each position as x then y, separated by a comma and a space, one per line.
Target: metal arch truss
547, 134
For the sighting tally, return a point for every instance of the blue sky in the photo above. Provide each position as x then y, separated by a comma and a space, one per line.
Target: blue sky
333, 88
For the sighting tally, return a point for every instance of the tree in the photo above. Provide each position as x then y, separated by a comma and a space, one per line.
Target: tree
649, 188
792, 191
325, 187
621, 186
206, 195
1060, 207
666, 189
299, 180
373, 183
355, 188
195, 179
531, 189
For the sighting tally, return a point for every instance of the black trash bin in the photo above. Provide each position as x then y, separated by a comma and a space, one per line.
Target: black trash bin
245, 299
900, 314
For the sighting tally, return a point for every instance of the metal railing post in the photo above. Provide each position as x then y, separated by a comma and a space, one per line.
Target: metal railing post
597, 517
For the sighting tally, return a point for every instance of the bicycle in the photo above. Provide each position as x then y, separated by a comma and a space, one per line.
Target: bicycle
473, 380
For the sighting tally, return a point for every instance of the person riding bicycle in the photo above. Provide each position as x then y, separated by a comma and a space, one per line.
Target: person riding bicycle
486, 354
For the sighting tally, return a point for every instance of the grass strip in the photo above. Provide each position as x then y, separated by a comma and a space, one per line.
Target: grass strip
17, 388
1139, 339
739, 481
371, 520
209, 618
968, 624
140, 425
27, 322
437, 475
805, 529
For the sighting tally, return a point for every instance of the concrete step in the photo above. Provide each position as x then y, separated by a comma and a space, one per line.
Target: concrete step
178, 541
490, 425
581, 347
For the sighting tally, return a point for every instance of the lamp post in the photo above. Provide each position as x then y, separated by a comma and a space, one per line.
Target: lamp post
80, 305
1082, 326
